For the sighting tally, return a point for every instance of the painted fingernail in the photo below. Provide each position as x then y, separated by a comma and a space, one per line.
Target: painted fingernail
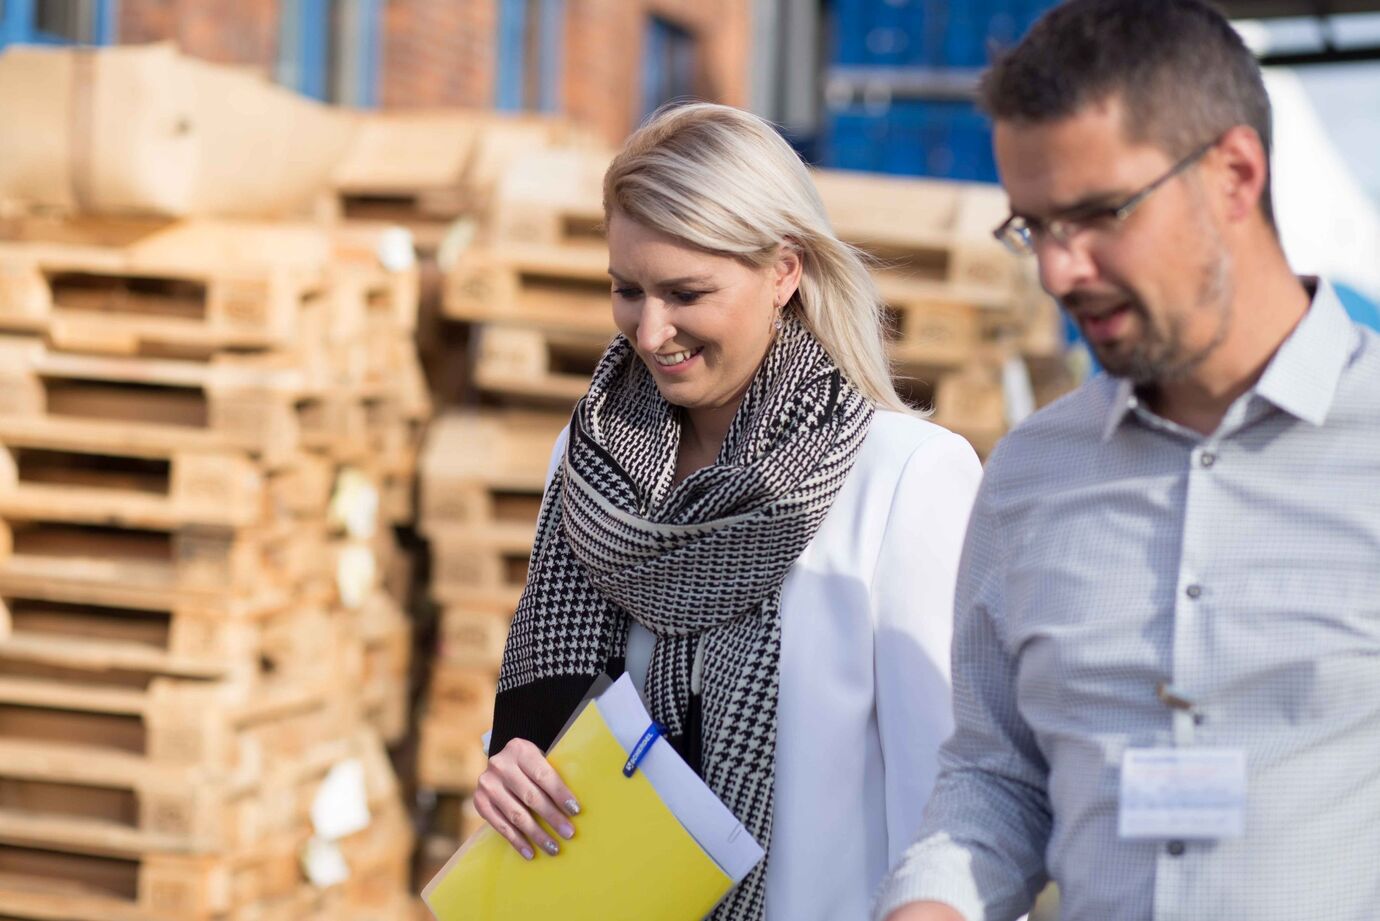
567, 830
572, 807
552, 848
527, 853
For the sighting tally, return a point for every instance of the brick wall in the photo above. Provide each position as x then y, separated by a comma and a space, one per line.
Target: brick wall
243, 32
438, 53
603, 60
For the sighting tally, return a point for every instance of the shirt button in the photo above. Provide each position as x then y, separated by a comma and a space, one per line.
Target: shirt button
1194, 591
1207, 459
1175, 848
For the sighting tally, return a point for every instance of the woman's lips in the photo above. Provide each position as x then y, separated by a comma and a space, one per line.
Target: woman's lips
678, 361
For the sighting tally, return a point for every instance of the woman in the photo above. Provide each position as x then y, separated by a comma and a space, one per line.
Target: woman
746, 517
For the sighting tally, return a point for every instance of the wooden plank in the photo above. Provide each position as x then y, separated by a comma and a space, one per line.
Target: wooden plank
549, 287
52, 478
203, 284
933, 334
47, 885
551, 196
39, 585
404, 152
121, 805
463, 695
971, 403
192, 560
473, 563
544, 366
189, 642
449, 759
933, 230
230, 402
473, 636
387, 659
226, 730
483, 466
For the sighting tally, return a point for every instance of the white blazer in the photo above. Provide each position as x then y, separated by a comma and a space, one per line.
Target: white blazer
866, 623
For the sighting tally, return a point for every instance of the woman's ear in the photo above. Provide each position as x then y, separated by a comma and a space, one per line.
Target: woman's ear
787, 270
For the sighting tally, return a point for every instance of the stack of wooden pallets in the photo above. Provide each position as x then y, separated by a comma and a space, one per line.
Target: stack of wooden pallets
204, 428
532, 293
966, 316
435, 173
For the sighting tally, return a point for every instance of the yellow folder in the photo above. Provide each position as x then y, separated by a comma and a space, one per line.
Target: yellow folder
631, 858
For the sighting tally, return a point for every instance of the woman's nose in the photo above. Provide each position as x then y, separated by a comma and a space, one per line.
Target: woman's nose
654, 327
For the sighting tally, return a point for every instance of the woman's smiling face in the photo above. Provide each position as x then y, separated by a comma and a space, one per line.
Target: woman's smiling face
701, 322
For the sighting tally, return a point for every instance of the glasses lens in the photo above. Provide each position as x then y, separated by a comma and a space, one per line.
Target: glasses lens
1015, 235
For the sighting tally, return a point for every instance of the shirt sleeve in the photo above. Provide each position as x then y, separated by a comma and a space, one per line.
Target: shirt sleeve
981, 845
913, 597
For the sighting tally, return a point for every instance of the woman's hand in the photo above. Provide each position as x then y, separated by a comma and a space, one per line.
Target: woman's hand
518, 782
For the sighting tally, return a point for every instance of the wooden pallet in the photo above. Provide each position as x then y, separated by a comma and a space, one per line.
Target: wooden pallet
45, 475
547, 367
191, 641
371, 259
473, 636
119, 286
230, 402
190, 560
928, 333
551, 196
386, 633
479, 565
220, 728
44, 884
449, 820
480, 467
262, 883
549, 287
934, 235
127, 806
449, 759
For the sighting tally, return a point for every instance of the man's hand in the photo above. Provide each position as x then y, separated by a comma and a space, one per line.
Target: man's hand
925, 911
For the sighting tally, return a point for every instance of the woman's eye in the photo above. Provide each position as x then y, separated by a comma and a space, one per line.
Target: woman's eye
627, 293
687, 297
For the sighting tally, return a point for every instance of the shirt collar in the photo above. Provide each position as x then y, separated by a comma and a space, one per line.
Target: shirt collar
1301, 378
1124, 400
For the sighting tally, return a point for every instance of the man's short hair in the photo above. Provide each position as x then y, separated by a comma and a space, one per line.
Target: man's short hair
1181, 71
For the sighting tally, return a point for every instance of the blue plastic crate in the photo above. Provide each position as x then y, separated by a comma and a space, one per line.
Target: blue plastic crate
947, 140
927, 33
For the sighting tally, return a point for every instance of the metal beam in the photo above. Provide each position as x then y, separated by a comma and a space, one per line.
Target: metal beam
1276, 9
1326, 56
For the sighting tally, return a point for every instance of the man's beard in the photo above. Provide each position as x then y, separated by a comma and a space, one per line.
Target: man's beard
1160, 355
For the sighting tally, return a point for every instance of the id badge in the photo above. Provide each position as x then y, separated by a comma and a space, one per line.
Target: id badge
1183, 793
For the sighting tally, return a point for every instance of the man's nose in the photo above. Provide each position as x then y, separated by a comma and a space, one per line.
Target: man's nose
1064, 266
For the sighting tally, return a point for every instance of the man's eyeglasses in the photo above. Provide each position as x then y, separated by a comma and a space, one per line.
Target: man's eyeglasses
1019, 234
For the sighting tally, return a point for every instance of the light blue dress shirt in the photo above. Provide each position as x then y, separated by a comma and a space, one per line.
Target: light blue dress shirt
1111, 552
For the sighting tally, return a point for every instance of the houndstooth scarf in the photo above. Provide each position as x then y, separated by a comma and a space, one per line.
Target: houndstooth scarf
700, 564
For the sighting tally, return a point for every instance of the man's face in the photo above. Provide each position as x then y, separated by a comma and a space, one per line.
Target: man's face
1152, 294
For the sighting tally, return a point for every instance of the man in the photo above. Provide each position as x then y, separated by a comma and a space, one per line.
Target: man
1167, 646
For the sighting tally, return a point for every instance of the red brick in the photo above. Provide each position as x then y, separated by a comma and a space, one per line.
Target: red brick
437, 53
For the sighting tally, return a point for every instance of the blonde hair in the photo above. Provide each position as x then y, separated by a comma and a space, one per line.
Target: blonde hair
724, 181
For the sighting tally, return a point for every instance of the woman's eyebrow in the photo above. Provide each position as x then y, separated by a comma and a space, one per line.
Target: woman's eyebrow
667, 282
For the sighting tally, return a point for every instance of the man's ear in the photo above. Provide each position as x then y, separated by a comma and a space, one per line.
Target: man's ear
1242, 170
